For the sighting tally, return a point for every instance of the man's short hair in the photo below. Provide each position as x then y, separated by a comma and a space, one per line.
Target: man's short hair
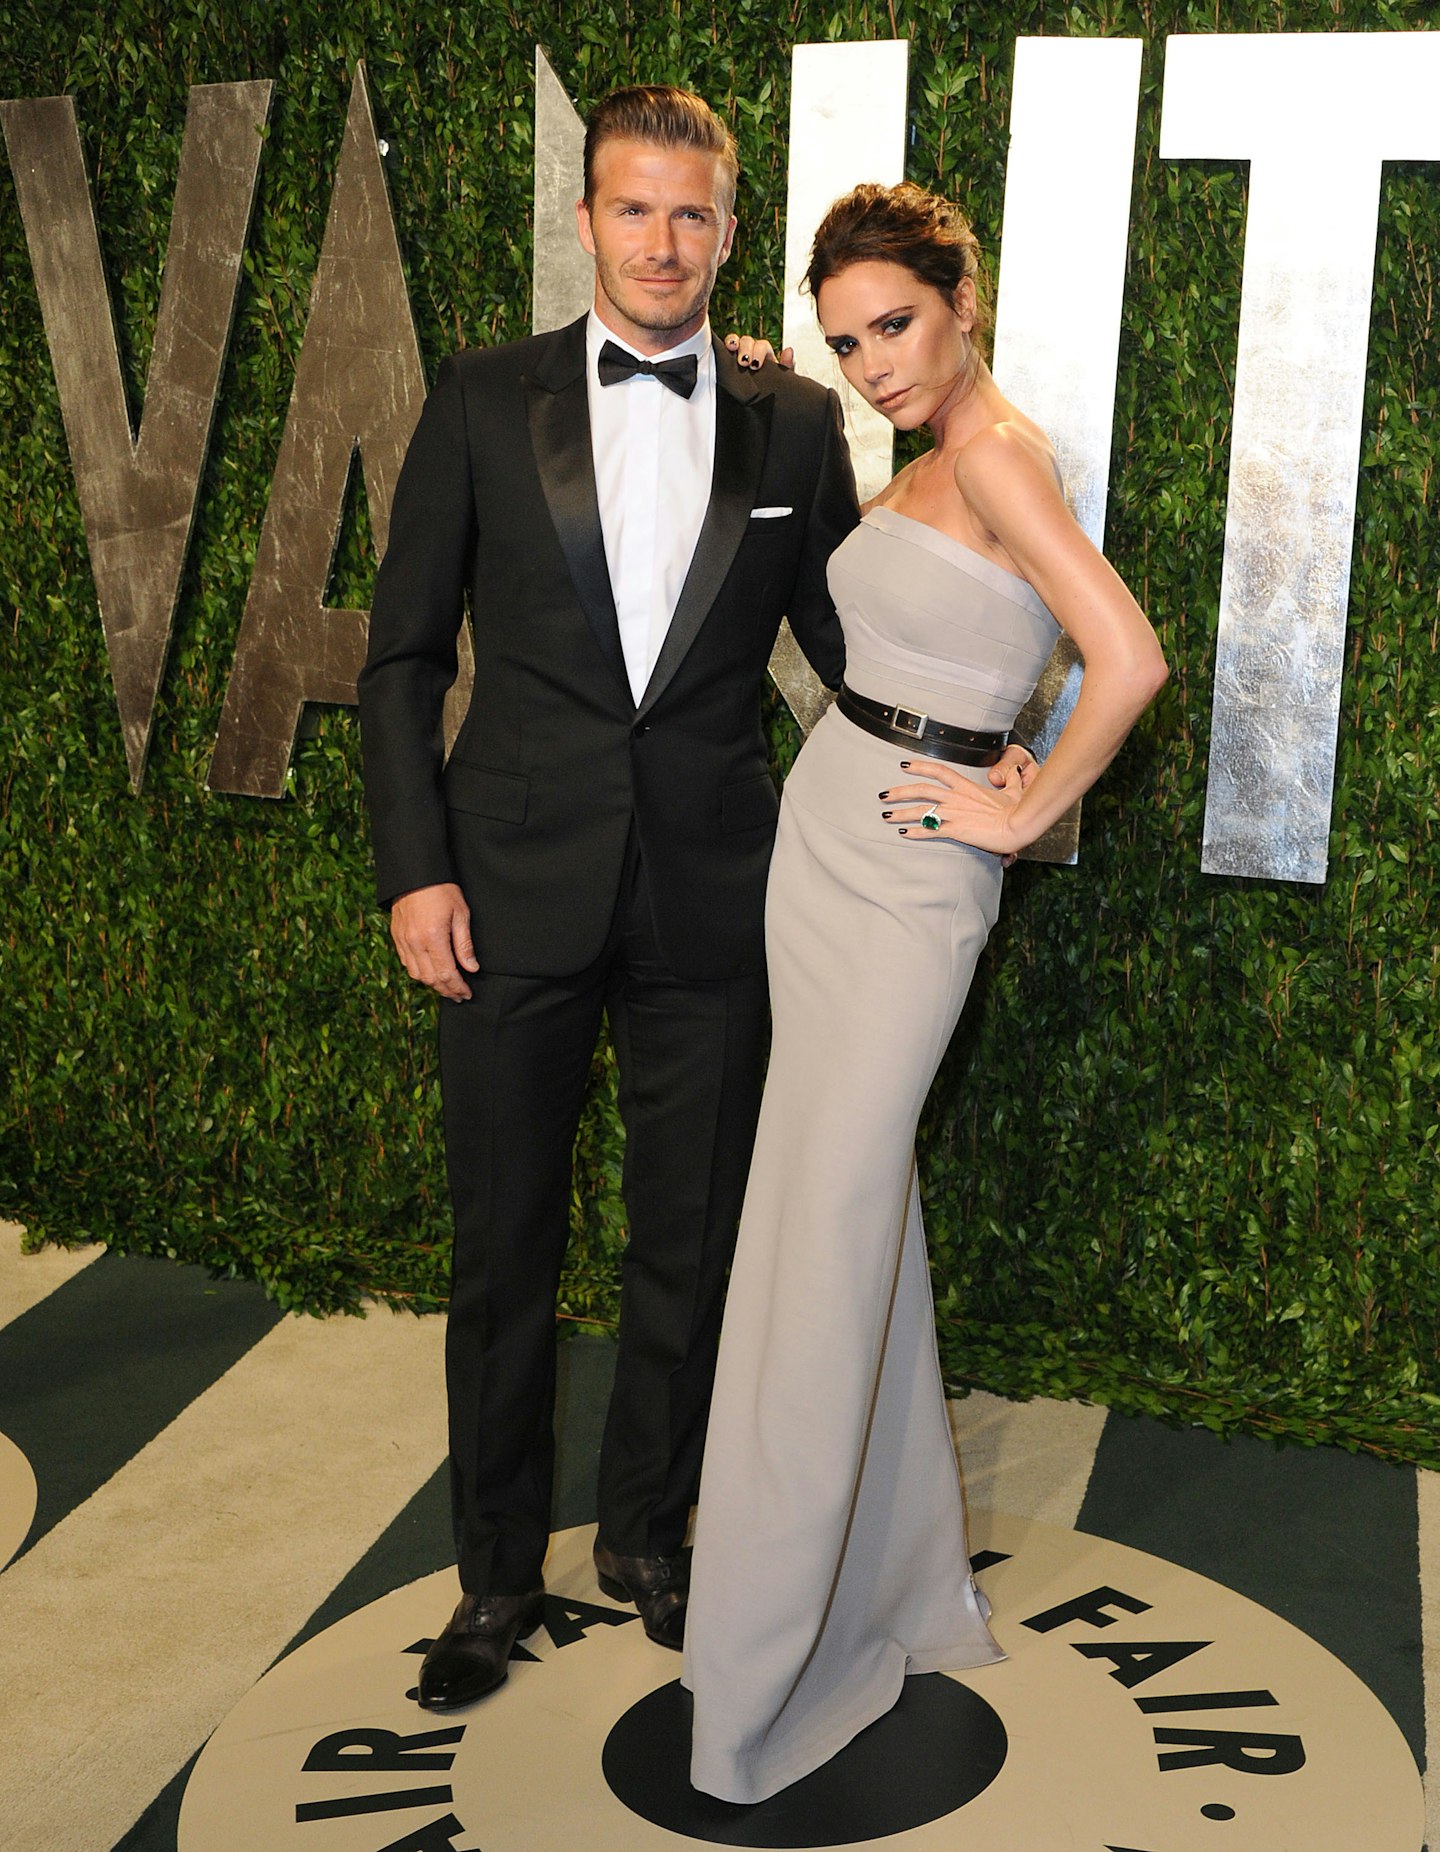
667, 117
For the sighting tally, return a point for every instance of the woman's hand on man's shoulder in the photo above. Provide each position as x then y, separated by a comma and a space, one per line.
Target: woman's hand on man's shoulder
753, 350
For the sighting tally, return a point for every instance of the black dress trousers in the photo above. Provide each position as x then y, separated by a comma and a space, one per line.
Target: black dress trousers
514, 1062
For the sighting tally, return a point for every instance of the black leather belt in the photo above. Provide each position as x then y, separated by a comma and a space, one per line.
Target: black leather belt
933, 739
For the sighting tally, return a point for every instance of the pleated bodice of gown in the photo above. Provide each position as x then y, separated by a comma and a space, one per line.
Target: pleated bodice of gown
970, 648
830, 1555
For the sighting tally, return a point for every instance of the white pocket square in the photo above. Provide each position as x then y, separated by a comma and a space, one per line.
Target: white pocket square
769, 514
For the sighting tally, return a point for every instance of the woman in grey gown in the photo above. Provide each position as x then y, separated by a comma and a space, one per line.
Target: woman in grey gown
830, 1555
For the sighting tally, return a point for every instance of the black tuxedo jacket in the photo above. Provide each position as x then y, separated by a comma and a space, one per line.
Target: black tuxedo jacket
555, 762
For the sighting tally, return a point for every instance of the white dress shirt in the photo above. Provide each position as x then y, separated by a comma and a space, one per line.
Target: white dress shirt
654, 457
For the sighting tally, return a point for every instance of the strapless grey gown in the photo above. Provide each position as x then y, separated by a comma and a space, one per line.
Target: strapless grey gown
830, 1554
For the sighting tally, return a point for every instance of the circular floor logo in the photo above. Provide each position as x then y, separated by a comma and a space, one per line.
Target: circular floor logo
939, 1747
1142, 1708
18, 1494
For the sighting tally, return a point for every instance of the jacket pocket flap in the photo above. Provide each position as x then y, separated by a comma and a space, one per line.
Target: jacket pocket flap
480, 792
749, 804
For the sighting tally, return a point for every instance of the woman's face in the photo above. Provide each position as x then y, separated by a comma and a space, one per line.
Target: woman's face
900, 342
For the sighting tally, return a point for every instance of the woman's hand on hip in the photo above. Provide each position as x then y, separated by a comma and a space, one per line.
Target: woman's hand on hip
948, 804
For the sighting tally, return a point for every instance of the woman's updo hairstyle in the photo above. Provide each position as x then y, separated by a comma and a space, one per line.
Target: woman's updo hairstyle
902, 225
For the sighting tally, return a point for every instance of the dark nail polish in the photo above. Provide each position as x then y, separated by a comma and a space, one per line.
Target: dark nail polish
902, 832
883, 796
904, 765
887, 814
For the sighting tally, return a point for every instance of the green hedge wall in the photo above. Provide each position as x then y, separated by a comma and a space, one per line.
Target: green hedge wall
1182, 1155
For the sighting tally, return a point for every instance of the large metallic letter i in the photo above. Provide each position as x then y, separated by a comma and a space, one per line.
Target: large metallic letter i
1315, 114
1062, 285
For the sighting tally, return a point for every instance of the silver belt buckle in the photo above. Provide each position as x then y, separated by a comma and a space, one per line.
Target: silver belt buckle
913, 724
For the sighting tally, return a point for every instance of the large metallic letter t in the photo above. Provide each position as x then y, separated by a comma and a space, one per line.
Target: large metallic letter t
1315, 114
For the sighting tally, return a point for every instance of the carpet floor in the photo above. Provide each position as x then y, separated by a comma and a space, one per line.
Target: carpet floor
193, 1484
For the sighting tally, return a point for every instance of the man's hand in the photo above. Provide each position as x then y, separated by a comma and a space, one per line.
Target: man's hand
431, 930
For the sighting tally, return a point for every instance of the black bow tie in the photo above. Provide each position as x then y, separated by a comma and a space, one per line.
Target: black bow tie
679, 374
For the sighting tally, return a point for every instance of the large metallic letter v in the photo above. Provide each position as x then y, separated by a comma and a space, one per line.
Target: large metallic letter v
358, 386
1315, 113
137, 495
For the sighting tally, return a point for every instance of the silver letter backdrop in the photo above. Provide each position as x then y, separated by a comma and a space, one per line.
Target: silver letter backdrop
1315, 114
1276, 100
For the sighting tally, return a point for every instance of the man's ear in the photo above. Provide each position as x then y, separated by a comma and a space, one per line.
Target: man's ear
582, 226
729, 238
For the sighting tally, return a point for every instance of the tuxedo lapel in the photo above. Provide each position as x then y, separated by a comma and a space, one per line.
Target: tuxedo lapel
742, 434
558, 409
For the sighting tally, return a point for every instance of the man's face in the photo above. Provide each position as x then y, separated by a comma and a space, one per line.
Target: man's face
658, 231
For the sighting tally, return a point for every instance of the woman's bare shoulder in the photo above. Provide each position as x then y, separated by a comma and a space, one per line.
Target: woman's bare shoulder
1014, 440
1009, 454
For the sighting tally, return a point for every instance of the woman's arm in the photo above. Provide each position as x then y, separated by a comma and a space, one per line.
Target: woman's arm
1010, 489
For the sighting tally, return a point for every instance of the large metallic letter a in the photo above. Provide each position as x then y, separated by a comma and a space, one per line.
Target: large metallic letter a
358, 386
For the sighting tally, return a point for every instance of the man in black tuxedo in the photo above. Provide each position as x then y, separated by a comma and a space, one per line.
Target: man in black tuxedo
631, 513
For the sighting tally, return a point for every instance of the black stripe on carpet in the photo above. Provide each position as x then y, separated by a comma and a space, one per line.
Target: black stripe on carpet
418, 1541
1328, 1540
98, 1367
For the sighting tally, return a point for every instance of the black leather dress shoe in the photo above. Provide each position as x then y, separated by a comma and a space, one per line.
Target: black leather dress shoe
658, 1585
472, 1656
